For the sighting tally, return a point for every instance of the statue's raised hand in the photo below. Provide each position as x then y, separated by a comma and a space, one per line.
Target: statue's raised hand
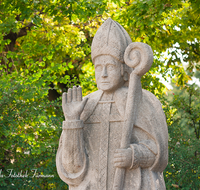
72, 103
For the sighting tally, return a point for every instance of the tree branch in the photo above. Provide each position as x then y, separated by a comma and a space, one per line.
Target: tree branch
196, 53
23, 31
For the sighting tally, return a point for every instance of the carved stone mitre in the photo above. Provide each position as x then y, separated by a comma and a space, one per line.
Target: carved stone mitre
111, 39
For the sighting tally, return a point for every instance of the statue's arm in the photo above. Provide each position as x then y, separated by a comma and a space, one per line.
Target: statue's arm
144, 149
73, 152
71, 158
143, 154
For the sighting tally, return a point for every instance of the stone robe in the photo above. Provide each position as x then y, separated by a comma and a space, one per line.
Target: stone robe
89, 150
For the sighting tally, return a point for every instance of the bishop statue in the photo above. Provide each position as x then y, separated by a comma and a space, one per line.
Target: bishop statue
115, 138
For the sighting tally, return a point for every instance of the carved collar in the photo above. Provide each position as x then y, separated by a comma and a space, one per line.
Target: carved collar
120, 96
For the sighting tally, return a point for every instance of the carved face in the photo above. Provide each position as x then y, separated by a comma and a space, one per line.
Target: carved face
108, 73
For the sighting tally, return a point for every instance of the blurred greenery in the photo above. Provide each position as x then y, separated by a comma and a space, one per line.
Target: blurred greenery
45, 49
182, 107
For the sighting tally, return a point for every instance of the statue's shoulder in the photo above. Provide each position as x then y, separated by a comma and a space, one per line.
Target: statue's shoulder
94, 95
151, 105
92, 101
150, 98
147, 97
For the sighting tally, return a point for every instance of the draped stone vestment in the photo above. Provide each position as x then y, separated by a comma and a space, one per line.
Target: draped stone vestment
100, 136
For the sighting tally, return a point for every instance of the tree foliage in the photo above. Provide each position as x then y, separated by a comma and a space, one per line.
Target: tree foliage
182, 108
45, 49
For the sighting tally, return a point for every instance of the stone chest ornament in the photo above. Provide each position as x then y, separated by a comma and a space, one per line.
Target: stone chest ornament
115, 138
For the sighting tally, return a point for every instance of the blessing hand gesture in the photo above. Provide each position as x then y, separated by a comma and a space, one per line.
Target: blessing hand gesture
72, 103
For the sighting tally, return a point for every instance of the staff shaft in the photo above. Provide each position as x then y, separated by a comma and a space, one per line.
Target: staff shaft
133, 100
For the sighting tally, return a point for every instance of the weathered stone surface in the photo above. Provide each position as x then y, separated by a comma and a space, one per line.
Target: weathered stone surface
115, 138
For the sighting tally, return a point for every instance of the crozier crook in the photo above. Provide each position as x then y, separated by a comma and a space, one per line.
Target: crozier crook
140, 57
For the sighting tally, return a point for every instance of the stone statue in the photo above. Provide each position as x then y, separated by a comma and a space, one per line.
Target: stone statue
115, 138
